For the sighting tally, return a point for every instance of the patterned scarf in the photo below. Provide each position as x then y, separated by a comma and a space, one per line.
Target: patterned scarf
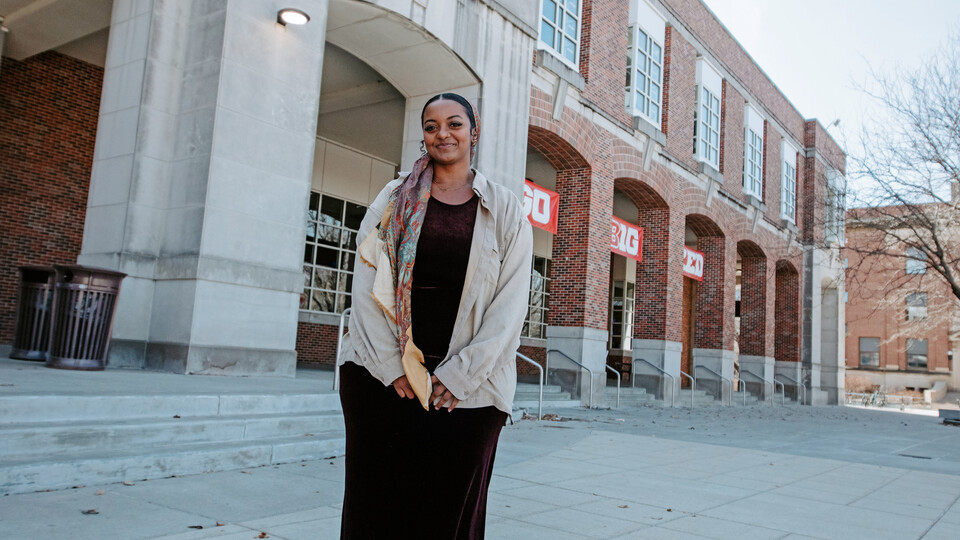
400, 231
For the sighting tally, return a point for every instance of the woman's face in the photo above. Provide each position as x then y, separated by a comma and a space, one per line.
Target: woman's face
446, 132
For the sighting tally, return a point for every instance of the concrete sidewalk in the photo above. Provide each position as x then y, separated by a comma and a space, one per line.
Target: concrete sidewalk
761, 472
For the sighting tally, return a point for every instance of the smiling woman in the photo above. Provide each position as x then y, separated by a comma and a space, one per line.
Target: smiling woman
430, 367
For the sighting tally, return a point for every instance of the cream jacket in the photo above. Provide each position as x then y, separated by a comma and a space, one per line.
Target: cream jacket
480, 365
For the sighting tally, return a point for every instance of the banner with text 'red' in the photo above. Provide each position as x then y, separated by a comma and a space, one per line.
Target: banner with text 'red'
626, 239
541, 206
692, 264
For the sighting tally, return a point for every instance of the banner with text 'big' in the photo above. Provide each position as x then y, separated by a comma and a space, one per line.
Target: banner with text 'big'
692, 263
626, 239
541, 206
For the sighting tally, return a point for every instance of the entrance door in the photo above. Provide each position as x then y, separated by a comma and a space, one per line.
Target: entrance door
688, 324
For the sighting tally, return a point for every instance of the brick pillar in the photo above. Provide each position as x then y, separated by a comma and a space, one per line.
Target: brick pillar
581, 275
753, 306
714, 313
787, 327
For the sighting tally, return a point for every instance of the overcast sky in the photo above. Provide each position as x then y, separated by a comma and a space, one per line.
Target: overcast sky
816, 51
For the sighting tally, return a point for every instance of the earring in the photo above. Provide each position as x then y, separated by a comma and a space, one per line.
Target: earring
423, 148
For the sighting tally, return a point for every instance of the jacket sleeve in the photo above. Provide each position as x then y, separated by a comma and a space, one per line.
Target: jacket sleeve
371, 335
498, 337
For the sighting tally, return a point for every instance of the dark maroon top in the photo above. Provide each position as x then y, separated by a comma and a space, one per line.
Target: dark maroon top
443, 251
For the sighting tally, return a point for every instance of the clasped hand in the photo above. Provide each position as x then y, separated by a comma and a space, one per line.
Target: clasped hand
441, 396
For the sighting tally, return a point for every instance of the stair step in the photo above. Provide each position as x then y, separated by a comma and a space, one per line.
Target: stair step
530, 405
22, 475
65, 408
55, 438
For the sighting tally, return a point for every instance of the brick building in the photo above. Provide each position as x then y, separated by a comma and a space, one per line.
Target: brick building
902, 319
234, 157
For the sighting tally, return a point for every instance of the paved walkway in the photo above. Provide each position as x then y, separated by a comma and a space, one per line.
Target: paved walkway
760, 472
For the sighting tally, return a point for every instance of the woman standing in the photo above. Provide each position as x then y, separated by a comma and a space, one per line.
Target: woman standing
429, 367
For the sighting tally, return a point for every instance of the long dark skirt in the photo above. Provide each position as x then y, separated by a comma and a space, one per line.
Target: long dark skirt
413, 473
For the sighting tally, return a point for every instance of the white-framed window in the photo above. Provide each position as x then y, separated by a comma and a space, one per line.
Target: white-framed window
621, 315
916, 261
753, 152
329, 253
560, 29
916, 354
916, 306
535, 325
788, 182
834, 207
706, 130
644, 81
870, 351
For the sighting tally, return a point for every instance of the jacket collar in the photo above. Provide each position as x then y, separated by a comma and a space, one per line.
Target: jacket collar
482, 187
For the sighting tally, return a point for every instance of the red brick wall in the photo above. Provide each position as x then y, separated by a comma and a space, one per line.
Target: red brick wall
538, 355
771, 172
679, 96
787, 314
731, 140
316, 344
603, 55
49, 106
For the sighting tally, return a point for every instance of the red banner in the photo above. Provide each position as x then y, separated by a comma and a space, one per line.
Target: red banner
541, 206
626, 239
692, 264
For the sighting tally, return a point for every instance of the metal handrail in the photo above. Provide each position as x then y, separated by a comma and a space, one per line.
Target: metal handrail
743, 390
592, 373
722, 378
803, 387
336, 367
762, 381
617, 373
673, 394
693, 385
783, 392
539, 367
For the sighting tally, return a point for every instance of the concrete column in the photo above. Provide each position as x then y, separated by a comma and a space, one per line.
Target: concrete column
661, 353
763, 367
719, 361
201, 180
587, 346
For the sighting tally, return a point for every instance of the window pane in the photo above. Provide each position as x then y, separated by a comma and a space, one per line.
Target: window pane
324, 278
332, 208
655, 51
328, 235
322, 301
314, 204
570, 26
307, 272
546, 34
327, 257
869, 344
549, 10
354, 216
569, 50
572, 5
308, 254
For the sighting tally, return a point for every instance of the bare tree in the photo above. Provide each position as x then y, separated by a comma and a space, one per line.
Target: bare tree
909, 160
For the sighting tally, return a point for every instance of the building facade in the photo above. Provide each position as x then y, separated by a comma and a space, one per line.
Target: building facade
903, 320
224, 161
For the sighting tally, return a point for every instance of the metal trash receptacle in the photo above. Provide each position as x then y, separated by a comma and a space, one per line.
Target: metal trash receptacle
32, 335
85, 299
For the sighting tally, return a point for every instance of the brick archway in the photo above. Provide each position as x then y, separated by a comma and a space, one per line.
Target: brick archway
710, 312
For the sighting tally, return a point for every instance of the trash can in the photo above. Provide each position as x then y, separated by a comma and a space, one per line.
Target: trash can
32, 335
85, 300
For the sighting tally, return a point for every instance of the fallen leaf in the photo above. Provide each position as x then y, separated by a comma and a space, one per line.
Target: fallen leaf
195, 526
78, 487
90, 512
262, 535
669, 509
127, 483
176, 416
219, 524
245, 472
99, 492
623, 506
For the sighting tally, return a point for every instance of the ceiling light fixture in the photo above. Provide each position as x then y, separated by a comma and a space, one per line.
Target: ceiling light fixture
292, 16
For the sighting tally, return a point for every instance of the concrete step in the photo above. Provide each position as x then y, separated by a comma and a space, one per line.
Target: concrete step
25, 474
66, 408
530, 405
56, 438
